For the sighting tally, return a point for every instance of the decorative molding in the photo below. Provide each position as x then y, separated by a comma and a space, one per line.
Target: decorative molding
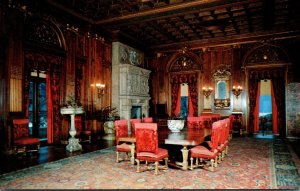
222, 72
131, 56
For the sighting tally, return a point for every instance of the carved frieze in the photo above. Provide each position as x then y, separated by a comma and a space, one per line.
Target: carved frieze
131, 56
134, 80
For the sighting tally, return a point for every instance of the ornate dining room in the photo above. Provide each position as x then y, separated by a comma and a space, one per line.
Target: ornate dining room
149, 94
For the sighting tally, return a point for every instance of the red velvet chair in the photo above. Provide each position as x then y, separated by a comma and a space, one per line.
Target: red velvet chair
22, 141
147, 147
82, 134
121, 127
193, 123
147, 120
222, 138
132, 124
227, 136
203, 153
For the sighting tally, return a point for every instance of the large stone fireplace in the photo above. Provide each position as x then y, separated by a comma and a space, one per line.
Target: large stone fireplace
130, 87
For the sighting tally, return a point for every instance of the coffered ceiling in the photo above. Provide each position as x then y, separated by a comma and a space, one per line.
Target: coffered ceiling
170, 24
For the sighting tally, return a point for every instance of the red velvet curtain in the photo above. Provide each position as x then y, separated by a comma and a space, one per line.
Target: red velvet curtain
177, 108
49, 110
274, 111
256, 110
278, 86
191, 108
51, 65
176, 80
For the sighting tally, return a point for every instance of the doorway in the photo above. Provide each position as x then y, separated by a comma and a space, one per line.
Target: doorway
184, 103
265, 107
37, 110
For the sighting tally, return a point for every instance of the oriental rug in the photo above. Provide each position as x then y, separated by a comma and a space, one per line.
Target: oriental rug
249, 164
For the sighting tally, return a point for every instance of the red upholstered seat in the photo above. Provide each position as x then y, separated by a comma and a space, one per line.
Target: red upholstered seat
147, 120
132, 125
121, 127
147, 146
203, 153
22, 138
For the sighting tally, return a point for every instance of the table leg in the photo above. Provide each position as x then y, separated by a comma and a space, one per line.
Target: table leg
184, 163
132, 153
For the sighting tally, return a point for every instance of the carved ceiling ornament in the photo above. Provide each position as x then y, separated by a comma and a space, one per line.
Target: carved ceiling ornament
266, 54
44, 32
131, 56
186, 60
222, 72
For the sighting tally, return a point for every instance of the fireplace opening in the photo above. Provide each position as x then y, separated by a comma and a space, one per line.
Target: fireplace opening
136, 112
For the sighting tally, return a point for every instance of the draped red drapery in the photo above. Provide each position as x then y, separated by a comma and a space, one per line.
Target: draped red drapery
191, 80
274, 111
278, 87
51, 65
190, 102
49, 110
256, 110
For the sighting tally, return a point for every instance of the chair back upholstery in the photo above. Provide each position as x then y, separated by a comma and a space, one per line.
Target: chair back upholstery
132, 124
194, 122
121, 127
227, 123
147, 120
146, 137
21, 128
215, 136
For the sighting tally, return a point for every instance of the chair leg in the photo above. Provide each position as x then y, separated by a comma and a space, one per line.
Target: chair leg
192, 167
137, 165
212, 161
117, 156
216, 162
166, 162
156, 168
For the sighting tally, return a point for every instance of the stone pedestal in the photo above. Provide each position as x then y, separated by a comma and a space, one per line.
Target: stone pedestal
73, 144
109, 130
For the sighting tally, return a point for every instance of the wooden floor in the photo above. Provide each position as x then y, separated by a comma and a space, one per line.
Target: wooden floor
46, 154
12, 162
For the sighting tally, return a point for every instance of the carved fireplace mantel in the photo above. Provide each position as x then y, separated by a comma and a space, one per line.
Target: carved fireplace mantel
130, 81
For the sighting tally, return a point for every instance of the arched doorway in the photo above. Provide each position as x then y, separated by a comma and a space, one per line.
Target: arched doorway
266, 62
42, 68
184, 74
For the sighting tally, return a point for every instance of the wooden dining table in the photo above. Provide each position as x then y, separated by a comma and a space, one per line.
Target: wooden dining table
186, 137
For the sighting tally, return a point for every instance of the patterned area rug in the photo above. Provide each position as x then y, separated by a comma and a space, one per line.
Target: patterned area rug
286, 162
249, 164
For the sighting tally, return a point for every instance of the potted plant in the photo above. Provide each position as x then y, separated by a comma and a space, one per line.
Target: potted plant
71, 106
109, 115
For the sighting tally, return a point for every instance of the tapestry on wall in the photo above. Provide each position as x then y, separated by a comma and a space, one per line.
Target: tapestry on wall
293, 110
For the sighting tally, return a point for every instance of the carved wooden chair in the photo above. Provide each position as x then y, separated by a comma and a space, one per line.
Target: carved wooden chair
22, 141
132, 124
203, 153
197, 122
121, 127
147, 147
147, 120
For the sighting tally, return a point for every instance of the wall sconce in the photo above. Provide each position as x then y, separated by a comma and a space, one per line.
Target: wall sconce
207, 91
100, 89
237, 91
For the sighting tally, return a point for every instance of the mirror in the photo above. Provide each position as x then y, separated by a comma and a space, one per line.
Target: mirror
222, 92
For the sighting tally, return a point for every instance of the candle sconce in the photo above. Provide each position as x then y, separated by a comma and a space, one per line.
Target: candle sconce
100, 89
207, 91
237, 91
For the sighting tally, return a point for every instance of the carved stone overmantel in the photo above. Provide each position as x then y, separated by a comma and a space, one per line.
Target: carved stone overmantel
130, 82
